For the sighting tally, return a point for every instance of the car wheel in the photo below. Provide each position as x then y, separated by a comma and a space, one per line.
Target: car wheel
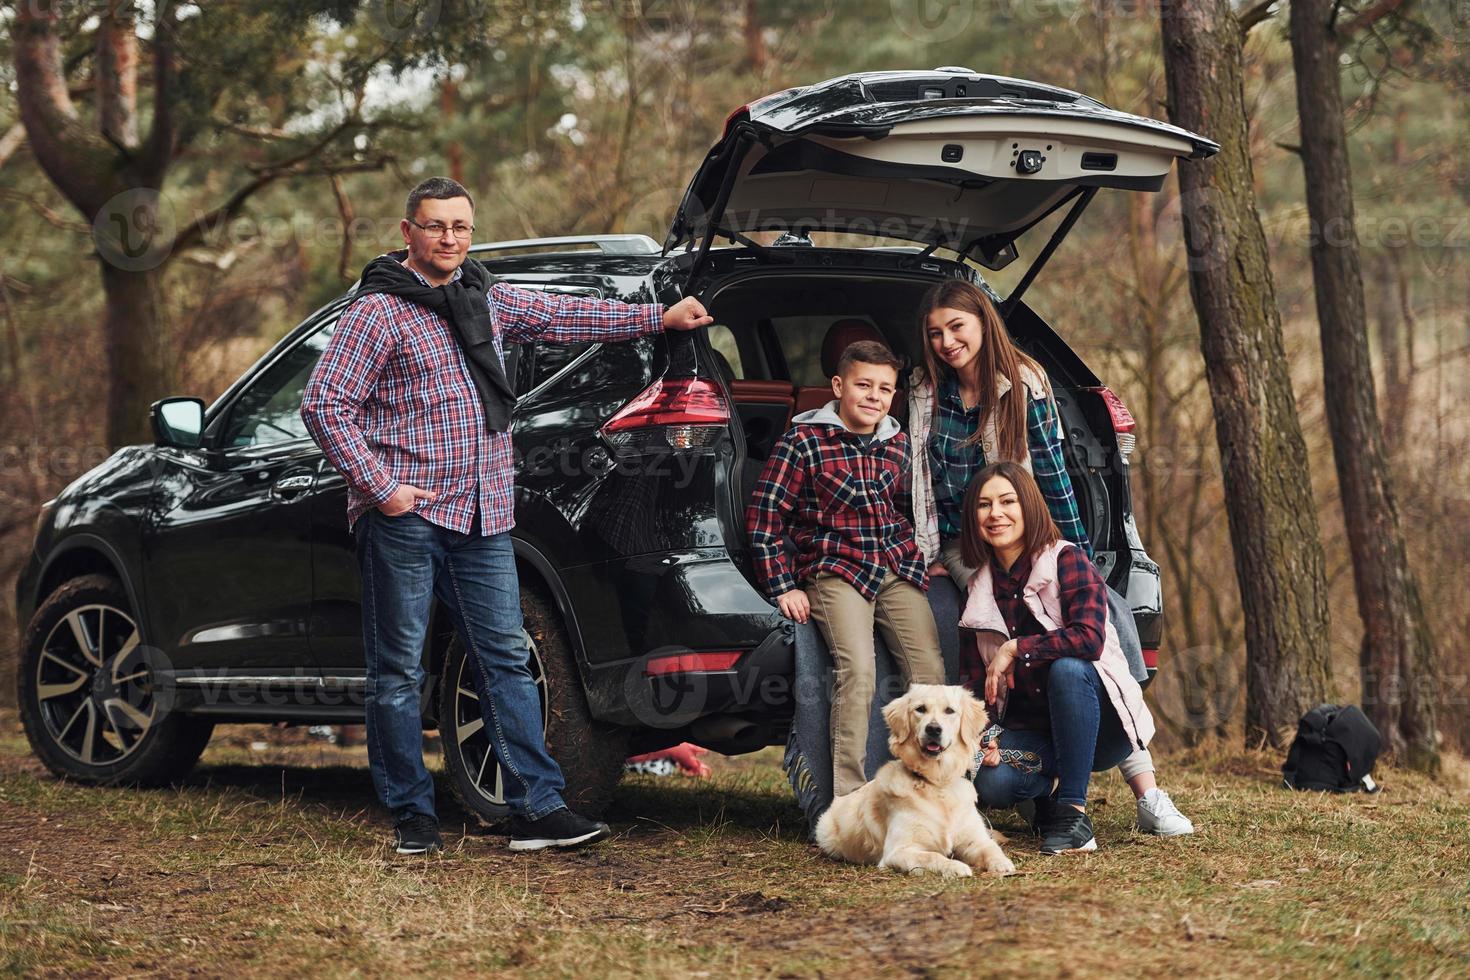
90, 698
590, 754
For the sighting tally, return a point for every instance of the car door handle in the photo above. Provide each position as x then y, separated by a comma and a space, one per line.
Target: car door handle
290, 486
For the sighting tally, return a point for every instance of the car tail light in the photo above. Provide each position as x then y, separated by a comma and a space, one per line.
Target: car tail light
679, 413
689, 663
1151, 658
1123, 421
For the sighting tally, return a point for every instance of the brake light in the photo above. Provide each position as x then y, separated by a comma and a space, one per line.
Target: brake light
1123, 421
682, 401
678, 413
1151, 658
688, 663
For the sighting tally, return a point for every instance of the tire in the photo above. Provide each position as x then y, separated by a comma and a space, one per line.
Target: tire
590, 753
89, 699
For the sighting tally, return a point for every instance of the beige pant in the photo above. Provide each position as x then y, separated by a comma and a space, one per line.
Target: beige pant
846, 620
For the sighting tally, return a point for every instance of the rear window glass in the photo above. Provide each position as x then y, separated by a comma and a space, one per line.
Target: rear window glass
801, 340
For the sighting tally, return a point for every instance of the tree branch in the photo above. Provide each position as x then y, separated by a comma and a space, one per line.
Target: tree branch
116, 74
64, 223
163, 137
193, 235
1371, 16
66, 150
1252, 16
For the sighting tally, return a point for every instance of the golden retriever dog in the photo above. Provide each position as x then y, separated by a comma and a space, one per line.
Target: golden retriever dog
918, 813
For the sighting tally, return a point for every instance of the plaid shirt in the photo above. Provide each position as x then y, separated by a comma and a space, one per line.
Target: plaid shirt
1085, 609
842, 502
391, 400
952, 463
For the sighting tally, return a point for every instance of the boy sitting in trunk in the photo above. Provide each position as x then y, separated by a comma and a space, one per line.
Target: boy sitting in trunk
837, 484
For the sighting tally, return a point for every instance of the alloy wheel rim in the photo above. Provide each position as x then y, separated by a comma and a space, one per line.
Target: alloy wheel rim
94, 687
469, 727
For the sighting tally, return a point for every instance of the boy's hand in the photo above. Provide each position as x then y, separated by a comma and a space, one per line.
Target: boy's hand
938, 569
795, 606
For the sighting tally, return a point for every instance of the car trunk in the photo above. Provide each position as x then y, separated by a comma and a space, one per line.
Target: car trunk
766, 347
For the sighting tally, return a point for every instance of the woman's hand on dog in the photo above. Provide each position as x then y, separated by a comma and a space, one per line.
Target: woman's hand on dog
1003, 664
795, 606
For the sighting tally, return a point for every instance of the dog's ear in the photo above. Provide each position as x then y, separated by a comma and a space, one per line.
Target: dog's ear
899, 719
973, 721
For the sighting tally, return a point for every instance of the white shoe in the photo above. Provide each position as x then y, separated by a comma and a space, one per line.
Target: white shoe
1157, 814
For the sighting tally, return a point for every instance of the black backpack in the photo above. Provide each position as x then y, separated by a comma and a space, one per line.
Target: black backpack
1334, 750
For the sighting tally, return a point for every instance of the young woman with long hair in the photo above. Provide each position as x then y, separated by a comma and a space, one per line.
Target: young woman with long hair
1041, 648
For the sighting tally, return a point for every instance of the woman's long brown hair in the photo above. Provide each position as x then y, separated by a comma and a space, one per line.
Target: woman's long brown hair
1039, 532
998, 357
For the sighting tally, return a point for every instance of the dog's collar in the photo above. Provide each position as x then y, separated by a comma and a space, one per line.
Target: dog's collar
919, 776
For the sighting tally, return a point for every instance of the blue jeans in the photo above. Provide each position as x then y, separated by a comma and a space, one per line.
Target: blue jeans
407, 561
1086, 737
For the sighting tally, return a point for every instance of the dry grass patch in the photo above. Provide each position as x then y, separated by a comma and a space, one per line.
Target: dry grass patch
273, 861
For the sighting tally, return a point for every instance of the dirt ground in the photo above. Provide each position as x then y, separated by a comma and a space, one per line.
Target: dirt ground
272, 859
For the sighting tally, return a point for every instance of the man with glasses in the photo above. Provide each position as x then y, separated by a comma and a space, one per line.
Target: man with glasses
411, 404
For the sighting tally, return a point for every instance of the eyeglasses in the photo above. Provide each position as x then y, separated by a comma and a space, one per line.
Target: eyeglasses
436, 229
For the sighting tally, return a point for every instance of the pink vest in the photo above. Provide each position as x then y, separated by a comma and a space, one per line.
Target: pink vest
1043, 599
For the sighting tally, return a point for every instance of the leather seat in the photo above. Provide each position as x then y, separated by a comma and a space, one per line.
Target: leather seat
841, 335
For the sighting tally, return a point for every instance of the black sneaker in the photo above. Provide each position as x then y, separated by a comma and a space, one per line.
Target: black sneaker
418, 833
559, 828
1067, 829
1036, 813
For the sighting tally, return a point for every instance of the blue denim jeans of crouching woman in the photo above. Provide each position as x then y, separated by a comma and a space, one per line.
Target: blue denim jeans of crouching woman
406, 561
1086, 736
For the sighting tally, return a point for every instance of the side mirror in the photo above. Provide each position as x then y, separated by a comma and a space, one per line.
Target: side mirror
177, 422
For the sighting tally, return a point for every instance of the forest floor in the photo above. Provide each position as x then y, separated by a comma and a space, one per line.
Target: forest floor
270, 860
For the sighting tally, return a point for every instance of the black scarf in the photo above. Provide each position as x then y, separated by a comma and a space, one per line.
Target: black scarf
463, 303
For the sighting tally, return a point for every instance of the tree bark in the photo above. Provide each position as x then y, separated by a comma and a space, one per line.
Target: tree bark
1268, 495
1398, 654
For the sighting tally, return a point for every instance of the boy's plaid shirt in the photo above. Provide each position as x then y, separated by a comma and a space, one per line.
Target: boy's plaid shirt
952, 463
843, 505
391, 400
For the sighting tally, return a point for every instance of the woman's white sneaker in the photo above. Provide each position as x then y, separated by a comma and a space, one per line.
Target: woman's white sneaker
1157, 814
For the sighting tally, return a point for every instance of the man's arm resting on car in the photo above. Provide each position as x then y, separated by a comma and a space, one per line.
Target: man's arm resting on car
528, 315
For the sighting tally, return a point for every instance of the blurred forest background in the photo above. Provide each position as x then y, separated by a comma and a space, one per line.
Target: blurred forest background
589, 117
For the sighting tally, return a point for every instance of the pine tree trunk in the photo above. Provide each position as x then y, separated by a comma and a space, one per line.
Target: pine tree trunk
1268, 494
1398, 654
137, 360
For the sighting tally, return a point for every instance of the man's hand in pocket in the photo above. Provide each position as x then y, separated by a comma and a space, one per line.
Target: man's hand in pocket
404, 499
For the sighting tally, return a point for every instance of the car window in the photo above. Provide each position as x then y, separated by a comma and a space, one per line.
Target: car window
801, 340
722, 339
269, 411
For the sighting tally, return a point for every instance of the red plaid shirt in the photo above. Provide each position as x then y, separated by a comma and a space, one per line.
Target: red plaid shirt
1084, 607
391, 400
843, 505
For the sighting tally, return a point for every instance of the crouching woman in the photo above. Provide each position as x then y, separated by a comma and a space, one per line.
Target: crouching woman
1039, 647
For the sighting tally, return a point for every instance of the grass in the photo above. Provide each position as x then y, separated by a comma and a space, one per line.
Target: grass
272, 861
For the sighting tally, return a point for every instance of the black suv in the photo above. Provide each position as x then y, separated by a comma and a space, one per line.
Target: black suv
210, 577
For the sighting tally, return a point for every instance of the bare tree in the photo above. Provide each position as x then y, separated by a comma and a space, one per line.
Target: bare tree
1273, 521
1398, 651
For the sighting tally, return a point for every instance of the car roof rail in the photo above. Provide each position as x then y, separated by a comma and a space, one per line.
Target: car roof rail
608, 244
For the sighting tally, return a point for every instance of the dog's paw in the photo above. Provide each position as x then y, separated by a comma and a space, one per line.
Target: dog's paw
1000, 866
956, 869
